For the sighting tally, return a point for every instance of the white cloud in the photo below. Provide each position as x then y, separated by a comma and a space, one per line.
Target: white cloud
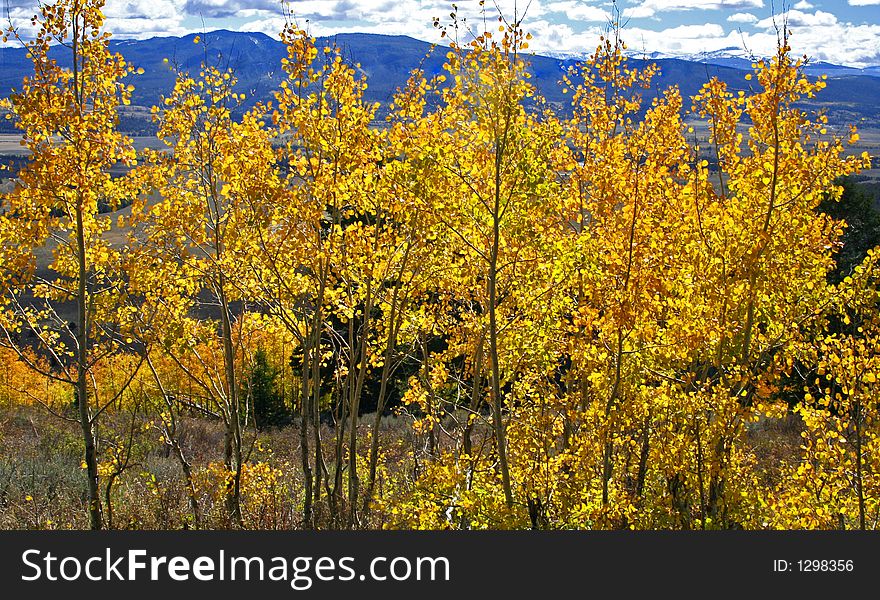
864, 2
637, 12
841, 43
828, 40
558, 26
693, 32
742, 18
144, 18
796, 18
124, 18
821, 36
578, 11
648, 8
684, 39
574, 26
402, 17
803, 5
218, 9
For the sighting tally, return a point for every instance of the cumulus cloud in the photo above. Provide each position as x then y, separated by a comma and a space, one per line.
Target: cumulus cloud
144, 18
797, 18
638, 12
578, 11
218, 9
649, 8
124, 18
827, 39
574, 26
742, 18
142, 9
558, 26
822, 36
389, 17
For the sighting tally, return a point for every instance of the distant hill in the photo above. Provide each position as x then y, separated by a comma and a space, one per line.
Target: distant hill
852, 95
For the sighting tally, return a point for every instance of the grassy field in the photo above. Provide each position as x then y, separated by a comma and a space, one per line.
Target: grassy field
10, 144
869, 141
42, 485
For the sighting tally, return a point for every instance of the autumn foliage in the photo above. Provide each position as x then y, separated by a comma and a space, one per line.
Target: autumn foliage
587, 318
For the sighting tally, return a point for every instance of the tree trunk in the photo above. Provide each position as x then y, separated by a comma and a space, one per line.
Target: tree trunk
497, 423
82, 387
233, 440
304, 418
363, 343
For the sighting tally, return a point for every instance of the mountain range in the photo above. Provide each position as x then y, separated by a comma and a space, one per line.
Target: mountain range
734, 57
851, 96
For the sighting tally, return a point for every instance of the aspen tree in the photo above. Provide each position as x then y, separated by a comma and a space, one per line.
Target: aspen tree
68, 118
195, 236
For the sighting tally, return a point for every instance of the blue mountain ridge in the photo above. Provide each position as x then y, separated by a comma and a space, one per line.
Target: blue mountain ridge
852, 95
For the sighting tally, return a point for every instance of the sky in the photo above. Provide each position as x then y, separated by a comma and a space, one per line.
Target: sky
845, 32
